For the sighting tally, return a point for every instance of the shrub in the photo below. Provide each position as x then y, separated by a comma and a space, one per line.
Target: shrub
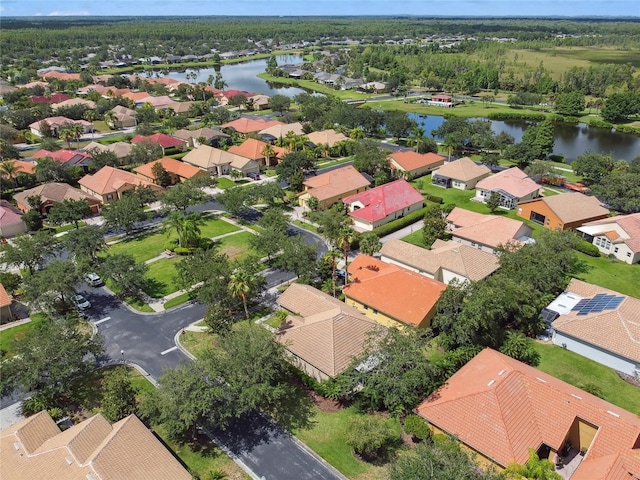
182, 251
415, 426
396, 225
538, 117
435, 199
593, 389
171, 245
588, 248
557, 158
369, 435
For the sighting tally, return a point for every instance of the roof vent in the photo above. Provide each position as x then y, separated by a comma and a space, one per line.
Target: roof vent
576, 396
501, 372
69, 460
541, 380
491, 383
90, 476
17, 445
617, 415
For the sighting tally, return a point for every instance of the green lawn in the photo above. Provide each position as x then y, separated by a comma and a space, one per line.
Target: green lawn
161, 277
143, 248
578, 371
316, 87
174, 302
415, 238
236, 247
612, 274
214, 227
69, 226
306, 226
9, 336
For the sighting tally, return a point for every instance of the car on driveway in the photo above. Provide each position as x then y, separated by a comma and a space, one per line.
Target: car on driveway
253, 176
81, 303
93, 279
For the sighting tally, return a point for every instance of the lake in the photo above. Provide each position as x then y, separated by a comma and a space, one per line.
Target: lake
570, 140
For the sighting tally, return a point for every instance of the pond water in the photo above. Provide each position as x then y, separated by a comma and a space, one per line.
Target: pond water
242, 76
570, 140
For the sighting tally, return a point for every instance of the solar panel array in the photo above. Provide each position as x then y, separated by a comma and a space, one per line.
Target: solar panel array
600, 302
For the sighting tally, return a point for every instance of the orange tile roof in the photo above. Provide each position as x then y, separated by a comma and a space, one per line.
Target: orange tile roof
5, 298
109, 179
398, 293
335, 183
252, 149
501, 407
22, 166
137, 97
246, 125
630, 225
513, 181
171, 165
463, 169
410, 160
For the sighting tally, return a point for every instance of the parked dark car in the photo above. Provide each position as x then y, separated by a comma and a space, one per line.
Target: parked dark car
253, 176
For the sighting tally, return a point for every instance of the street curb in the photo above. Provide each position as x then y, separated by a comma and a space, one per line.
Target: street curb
129, 307
176, 340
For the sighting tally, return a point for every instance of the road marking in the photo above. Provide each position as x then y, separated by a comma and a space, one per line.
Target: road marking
168, 350
102, 321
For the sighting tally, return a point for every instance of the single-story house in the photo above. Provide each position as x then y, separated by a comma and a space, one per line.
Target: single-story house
49, 99
253, 149
211, 136
72, 102
51, 194
23, 167
68, 158
121, 117
597, 323
109, 184
513, 186
220, 162
373, 87
138, 98
411, 164
177, 170
618, 236
498, 408
11, 223
445, 261
566, 211
486, 232
121, 149
462, 174
259, 102
441, 100
58, 123
321, 334
380, 205
333, 186
246, 125
5, 305
326, 137
162, 139
391, 295
91, 450
275, 132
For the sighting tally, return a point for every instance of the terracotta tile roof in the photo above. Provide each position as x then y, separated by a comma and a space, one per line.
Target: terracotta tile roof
58, 122
5, 298
252, 149
232, 93
463, 169
137, 97
164, 140
513, 181
246, 125
9, 214
616, 330
109, 179
54, 192
70, 157
335, 183
161, 101
93, 449
463, 260
490, 230
384, 200
74, 101
628, 229
398, 293
121, 149
171, 165
410, 160
207, 157
329, 333
326, 137
23, 167
501, 407
55, 98
572, 206
280, 131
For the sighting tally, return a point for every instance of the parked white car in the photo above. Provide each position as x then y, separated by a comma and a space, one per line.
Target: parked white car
81, 303
93, 279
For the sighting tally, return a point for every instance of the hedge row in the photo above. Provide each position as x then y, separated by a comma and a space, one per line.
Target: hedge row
588, 248
516, 116
396, 225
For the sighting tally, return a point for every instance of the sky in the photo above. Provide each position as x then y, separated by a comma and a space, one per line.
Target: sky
490, 8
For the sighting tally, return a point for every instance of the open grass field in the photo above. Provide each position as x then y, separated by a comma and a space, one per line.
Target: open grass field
161, 277
612, 274
236, 247
174, 302
9, 336
579, 371
315, 86
214, 227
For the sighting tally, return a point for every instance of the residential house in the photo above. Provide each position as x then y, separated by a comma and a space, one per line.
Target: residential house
391, 295
380, 205
410, 164
72, 102
246, 125
566, 211
253, 150
121, 149
91, 450
618, 236
321, 334
333, 186
177, 170
162, 139
462, 174
486, 232
51, 194
275, 132
498, 408
212, 137
441, 100
109, 184
138, 98
23, 167
49, 99
229, 94
121, 117
445, 261
326, 137
58, 123
64, 76
372, 87
597, 323
5, 305
11, 223
258, 102
220, 162
68, 158
513, 185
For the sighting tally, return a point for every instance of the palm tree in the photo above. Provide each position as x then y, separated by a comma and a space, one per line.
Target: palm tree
77, 130
175, 221
346, 236
240, 285
417, 137
67, 135
356, 133
90, 116
332, 256
9, 169
111, 118
191, 229
449, 144
268, 152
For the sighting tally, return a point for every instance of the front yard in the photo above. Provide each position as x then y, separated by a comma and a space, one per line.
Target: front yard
612, 274
9, 336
